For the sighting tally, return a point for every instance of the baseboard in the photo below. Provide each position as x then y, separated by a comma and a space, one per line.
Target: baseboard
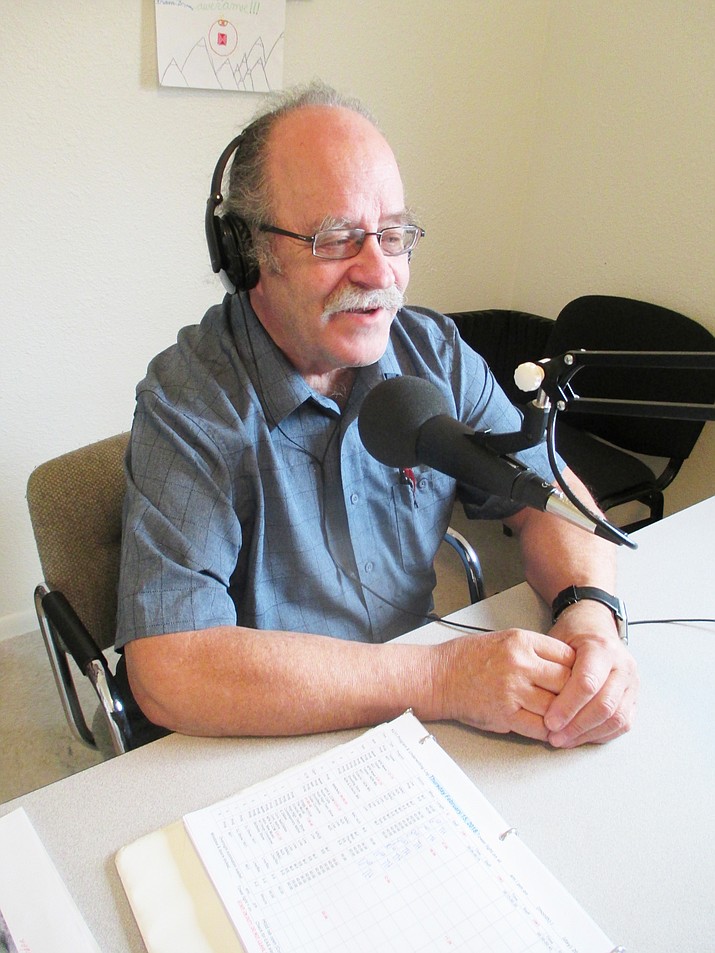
17, 623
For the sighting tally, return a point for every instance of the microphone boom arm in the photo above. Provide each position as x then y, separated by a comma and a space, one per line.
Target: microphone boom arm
559, 372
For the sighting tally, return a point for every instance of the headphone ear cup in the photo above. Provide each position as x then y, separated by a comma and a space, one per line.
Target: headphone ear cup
236, 251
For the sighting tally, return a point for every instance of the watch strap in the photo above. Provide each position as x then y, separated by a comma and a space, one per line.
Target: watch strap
572, 594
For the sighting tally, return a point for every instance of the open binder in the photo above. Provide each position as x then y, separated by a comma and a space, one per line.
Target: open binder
380, 843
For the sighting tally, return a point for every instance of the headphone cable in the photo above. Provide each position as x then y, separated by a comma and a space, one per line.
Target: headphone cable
477, 628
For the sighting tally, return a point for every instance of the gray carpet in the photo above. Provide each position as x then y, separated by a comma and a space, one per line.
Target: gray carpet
36, 745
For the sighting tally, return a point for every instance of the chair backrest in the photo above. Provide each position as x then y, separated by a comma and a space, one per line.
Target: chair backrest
75, 504
608, 323
505, 339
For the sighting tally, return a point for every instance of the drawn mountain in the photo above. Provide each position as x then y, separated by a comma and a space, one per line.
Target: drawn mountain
172, 75
252, 72
198, 69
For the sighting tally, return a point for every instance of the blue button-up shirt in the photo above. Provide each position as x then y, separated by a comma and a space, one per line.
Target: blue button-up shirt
251, 500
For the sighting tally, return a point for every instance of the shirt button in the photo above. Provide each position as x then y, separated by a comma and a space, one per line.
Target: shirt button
423, 483
369, 566
354, 497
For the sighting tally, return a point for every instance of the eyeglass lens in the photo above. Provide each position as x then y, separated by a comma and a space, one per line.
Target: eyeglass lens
347, 242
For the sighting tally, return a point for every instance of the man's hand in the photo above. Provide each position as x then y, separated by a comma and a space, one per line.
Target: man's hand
503, 681
598, 702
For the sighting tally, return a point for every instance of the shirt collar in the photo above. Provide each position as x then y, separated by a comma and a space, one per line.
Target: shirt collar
280, 388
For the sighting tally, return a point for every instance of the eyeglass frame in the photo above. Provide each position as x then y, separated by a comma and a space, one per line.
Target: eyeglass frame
419, 233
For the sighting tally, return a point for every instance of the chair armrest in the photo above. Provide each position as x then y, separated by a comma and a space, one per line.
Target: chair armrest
63, 631
75, 637
470, 562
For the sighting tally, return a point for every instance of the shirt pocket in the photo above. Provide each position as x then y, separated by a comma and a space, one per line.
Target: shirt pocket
422, 513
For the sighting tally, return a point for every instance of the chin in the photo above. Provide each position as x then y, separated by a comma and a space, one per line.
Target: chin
368, 348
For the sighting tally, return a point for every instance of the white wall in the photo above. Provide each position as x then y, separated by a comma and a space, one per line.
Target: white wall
621, 196
491, 106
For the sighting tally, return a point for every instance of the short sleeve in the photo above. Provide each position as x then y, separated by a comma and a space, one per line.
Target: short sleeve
181, 536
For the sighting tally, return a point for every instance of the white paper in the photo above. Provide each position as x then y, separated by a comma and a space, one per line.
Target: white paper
235, 46
382, 844
38, 912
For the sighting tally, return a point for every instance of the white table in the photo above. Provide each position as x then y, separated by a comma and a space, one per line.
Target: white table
627, 827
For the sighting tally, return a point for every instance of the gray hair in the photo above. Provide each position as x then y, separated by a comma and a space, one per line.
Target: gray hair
249, 195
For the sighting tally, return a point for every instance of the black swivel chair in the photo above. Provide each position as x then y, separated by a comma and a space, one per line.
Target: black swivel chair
602, 448
75, 504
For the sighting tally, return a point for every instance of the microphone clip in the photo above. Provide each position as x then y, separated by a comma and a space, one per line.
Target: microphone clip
532, 432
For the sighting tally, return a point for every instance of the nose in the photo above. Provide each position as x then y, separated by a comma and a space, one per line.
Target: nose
371, 269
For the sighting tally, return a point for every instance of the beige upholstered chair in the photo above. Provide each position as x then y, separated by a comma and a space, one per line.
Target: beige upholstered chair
75, 504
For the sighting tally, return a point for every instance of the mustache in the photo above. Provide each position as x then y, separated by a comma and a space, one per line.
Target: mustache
356, 299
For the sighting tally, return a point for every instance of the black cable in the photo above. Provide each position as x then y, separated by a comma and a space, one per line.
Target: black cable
609, 529
433, 617
478, 628
666, 621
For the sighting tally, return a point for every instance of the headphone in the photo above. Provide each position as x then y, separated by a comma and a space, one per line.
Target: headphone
228, 236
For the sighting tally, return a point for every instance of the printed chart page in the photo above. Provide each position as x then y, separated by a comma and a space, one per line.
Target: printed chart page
382, 844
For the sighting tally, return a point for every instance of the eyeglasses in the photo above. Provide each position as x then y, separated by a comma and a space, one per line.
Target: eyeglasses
337, 243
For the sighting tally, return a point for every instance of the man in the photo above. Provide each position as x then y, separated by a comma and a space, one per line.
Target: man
256, 524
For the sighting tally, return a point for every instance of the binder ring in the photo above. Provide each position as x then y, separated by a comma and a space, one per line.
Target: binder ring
515, 832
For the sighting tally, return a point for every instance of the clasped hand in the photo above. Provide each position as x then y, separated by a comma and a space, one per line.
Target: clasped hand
576, 685
598, 702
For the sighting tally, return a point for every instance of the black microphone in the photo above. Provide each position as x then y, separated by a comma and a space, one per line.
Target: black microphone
406, 420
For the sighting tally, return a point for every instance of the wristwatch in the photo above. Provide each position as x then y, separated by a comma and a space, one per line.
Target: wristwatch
572, 594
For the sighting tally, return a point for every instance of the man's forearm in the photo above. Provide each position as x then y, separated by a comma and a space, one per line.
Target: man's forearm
556, 554
229, 681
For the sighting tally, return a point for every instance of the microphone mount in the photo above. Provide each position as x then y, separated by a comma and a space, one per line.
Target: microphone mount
532, 431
